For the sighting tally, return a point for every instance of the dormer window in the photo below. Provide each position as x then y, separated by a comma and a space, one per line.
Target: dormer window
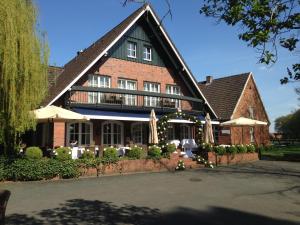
251, 112
131, 49
147, 54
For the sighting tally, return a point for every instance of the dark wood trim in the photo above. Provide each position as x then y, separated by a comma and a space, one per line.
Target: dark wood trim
134, 92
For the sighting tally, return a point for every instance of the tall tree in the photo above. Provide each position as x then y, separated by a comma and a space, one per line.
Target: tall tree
23, 69
266, 25
289, 125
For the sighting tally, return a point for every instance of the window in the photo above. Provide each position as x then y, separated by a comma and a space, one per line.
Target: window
185, 132
171, 132
129, 85
97, 81
174, 90
148, 100
112, 133
251, 112
147, 53
131, 49
139, 133
251, 134
80, 133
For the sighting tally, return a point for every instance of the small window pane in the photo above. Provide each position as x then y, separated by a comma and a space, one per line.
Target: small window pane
131, 50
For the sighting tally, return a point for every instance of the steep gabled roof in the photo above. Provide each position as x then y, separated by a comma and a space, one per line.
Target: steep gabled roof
224, 93
79, 65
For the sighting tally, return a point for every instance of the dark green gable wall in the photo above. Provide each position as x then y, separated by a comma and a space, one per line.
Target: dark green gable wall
142, 36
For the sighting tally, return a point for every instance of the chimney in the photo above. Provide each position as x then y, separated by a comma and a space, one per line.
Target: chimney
209, 79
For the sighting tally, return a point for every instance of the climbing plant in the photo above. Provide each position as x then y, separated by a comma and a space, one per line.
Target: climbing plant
162, 127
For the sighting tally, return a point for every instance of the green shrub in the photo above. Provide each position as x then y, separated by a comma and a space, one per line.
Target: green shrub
110, 155
250, 148
207, 147
154, 152
3, 167
231, 149
33, 153
135, 153
68, 169
219, 150
63, 153
52, 168
171, 148
87, 155
26, 170
241, 149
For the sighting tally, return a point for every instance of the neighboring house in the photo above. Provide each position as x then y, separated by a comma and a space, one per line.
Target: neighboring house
116, 82
233, 97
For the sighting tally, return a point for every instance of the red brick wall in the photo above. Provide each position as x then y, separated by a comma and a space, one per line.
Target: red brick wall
59, 134
117, 68
251, 98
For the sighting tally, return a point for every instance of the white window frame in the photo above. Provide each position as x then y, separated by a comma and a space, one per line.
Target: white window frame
170, 89
129, 99
153, 101
97, 81
251, 112
142, 136
131, 52
79, 132
251, 130
111, 134
183, 134
147, 56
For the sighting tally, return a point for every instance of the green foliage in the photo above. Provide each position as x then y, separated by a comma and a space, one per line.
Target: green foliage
23, 70
250, 148
171, 148
207, 147
135, 153
289, 125
231, 149
241, 149
154, 152
162, 124
266, 25
63, 153
219, 150
87, 155
110, 155
33, 153
68, 169
180, 165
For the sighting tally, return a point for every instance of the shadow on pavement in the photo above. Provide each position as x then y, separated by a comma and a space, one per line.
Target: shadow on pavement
79, 211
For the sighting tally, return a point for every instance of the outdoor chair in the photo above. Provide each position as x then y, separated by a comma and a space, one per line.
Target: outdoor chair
4, 196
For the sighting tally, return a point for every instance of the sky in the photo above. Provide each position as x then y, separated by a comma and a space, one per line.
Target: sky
208, 48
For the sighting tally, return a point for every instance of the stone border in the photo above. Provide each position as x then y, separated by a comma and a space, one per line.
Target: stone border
232, 158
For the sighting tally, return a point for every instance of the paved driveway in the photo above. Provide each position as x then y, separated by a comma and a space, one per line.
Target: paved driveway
263, 193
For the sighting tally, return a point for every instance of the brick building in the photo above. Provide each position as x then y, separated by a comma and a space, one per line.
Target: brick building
233, 97
117, 80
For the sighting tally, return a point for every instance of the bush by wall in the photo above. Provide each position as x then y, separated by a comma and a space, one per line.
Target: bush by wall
154, 152
87, 155
33, 153
241, 149
170, 149
135, 153
231, 149
250, 148
110, 155
63, 153
219, 150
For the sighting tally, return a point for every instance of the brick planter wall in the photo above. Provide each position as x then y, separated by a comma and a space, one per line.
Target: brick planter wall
232, 159
144, 165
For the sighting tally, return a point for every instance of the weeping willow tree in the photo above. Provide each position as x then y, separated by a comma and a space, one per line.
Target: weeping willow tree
23, 70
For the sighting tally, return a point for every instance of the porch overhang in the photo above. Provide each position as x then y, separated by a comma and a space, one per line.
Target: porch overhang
125, 116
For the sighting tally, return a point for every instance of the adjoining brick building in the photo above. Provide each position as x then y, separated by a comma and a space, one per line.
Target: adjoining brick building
233, 97
116, 82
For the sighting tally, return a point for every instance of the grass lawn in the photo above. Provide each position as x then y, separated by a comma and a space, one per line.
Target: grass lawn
286, 153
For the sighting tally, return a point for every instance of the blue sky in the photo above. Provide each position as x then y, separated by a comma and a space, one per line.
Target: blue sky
208, 48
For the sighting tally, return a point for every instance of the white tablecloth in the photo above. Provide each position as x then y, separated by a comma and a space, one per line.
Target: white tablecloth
188, 143
176, 142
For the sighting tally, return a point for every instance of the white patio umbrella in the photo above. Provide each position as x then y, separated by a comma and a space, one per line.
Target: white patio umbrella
56, 113
241, 122
153, 137
208, 131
